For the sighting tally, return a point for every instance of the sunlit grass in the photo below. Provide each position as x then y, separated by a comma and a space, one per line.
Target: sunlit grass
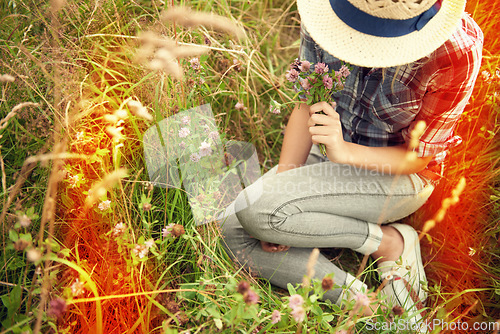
80, 66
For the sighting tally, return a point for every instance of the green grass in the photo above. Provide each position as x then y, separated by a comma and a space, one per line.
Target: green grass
79, 65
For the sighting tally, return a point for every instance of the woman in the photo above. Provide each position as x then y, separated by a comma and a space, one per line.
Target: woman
411, 61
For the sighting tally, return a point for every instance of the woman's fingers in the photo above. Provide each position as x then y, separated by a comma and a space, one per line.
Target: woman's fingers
322, 106
273, 248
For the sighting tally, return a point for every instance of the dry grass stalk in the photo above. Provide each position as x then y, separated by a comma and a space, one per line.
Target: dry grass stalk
7, 78
313, 258
415, 135
100, 189
12, 113
188, 18
445, 205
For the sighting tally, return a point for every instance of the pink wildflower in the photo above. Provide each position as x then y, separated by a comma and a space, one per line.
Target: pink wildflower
185, 120
57, 307
295, 301
104, 205
321, 68
184, 132
328, 82
250, 297
182, 145
298, 314
362, 299
119, 229
275, 317
167, 230
275, 110
305, 66
195, 63
239, 106
205, 149
213, 135
343, 71
24, 220
306, 84
292, 75
195, 157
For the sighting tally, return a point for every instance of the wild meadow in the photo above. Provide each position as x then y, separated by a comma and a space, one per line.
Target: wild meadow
91, 245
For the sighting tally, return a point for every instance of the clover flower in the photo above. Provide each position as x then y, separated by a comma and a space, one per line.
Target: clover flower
305, 66
182, 145
195, 157
104, 205
205, 149
185, 120
119, 229
250, 297
24, 220
239, 106
57, 307
295, 301
327, 283
292, 75
77, 288
195, 63
167, 230
306, 84
213, 135
275, 317
321, 68
184, 132
327, 82
298, 314
343, 71
361, 299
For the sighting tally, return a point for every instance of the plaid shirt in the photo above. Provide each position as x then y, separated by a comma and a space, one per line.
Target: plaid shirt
380, 107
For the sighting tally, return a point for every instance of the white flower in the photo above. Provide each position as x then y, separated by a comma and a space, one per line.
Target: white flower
77, 288
150, 243
119, 229
185, 120
167, 230
24, 220
184, 132
104, 205
195, 157
205, 149
298, 314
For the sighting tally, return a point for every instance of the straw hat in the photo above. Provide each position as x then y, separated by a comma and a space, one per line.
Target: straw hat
380, 33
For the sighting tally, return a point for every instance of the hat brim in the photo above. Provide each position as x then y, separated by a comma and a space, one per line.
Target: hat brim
356, 48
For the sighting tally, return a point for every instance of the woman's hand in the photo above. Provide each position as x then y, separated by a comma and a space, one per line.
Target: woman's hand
273, 248
330, 131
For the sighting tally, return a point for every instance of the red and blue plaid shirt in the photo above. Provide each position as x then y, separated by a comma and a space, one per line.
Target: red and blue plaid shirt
380, 107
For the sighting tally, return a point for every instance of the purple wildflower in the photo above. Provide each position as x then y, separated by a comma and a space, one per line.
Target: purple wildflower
321, 68
327, 82
205, 149
239, 106
57, 307
344, 71
362, 299
195, 63
213, 135
165, 232
298, 314
306, 84
195, 157
296, 65
295, 301
184, 132
250, 297
305, 66
292, 75
275, 317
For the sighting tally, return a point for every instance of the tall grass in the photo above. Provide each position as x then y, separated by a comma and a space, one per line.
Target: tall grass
68, 180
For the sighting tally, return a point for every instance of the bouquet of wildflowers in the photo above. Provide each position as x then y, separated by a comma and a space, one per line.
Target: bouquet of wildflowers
317, 83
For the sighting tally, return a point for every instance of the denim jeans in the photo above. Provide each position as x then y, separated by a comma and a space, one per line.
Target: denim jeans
323, 205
